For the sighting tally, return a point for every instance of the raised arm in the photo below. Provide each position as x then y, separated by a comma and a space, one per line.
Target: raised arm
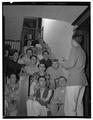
68, 64
21, 60
51, 55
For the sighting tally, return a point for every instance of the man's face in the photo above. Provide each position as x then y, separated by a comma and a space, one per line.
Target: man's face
55, 64
15, 56
29, 42
33, 60
74, 43
45, 55
29, 53
42, 82
62, 82
42, 67
13, 78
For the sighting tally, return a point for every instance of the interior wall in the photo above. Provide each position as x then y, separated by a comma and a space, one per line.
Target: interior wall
58, 35
13, 27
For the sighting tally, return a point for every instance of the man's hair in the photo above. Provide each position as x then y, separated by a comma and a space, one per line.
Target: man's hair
61, 77
33, 56
30, 77
42, 77
45, 51
26, 41
55, 60
13, 51
29, 49
40, 63
78, 34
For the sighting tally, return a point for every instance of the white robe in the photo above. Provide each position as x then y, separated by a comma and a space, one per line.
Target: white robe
34, 108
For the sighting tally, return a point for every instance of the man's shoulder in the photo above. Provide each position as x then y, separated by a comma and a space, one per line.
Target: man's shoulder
49, 60
56, 91
49, 69
10, 61
25, 47
79, 50
74, 50
42, 60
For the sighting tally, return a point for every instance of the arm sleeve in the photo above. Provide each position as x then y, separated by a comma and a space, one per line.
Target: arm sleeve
71, 61
49, 95
48, 71
32, 88
51, 55
21, 61
54, 99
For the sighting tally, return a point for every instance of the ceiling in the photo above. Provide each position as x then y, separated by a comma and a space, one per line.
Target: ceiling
64, 13
15, 14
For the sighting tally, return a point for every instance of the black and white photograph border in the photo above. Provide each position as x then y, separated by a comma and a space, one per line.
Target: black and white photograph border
60, 32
